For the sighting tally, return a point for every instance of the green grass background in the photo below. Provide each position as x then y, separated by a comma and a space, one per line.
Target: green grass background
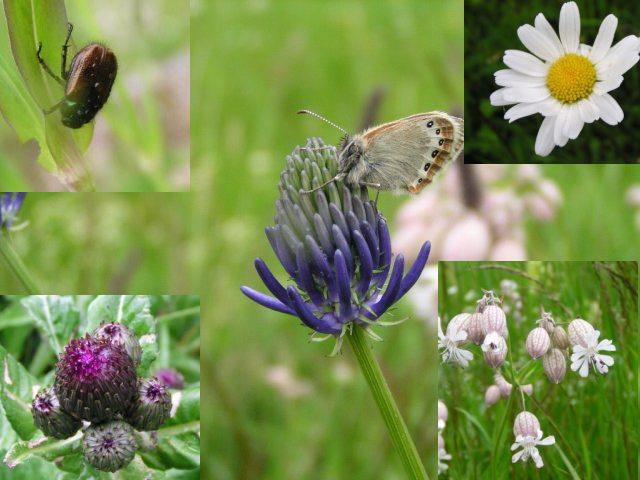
594, 420
490, 29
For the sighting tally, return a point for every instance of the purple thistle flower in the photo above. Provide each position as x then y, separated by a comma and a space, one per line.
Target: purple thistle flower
335, 246
10, 204
170, 377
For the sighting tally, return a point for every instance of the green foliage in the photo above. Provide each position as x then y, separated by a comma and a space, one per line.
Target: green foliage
594, 420
25, 449
490, 29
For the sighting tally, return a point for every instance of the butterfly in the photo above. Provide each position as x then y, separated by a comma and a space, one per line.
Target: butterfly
403, 155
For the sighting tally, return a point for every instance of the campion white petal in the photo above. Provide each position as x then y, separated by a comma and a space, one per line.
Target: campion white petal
555, 365
492, 395
578, 331
449, 344
494, 320
475, 328
538, 342
495, 349
567, 83
457, 325
442, 457
587, 356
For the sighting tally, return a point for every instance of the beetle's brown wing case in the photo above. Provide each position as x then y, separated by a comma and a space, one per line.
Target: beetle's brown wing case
409, 152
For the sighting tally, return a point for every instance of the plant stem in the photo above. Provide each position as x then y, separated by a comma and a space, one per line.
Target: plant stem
177, 314
400, 437
17, 265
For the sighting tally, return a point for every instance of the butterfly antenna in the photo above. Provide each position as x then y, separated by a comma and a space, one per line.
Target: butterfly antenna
309, 112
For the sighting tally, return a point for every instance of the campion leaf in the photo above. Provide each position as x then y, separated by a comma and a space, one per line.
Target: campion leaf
133, 311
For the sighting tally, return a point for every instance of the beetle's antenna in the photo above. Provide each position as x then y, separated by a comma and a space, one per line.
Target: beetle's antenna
309, 112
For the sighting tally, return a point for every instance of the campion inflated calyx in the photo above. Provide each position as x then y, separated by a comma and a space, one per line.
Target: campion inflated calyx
492, 395
538, 342
526, 429
152, 407
109, 446
443, 414
495, 349
555, 365
49, 416
475, 328
546, 321
95, 380
578, 332
494, 320
504, 386
559, 338
121, 336
336, 247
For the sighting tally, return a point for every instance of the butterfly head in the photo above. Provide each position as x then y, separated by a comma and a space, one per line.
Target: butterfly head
350, 153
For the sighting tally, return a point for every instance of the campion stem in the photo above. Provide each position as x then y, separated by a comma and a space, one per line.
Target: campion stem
400, 437
17, 266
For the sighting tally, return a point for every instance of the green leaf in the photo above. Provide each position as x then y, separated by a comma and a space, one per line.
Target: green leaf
16, 394
28, 24
46, 448
14, 316
179, 438
56, 317
133, 312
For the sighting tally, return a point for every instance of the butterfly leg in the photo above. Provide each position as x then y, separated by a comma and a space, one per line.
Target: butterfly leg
46, 67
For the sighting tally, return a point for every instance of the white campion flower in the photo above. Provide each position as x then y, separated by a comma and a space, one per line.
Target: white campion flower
566, 82
450, 342
442, 457
583, 356
526, 428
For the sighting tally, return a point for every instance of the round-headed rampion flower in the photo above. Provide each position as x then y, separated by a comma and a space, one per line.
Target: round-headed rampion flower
152, 406
50, 418
118, 334
587, 355
336, 247
95, 380
10, 204
109, 446
526, 428
170, 377
566, 82
450, 342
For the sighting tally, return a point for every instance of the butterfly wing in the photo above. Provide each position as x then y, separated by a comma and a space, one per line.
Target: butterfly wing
406, 154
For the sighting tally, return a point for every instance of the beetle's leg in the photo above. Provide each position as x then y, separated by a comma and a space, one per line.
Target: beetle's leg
46, 67
65, 47
47, 111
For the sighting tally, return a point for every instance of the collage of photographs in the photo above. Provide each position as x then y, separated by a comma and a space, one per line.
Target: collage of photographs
387, 209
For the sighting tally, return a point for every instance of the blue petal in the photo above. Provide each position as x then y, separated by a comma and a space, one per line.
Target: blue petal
344, 285
322, 325
343, 246
270, 281
384, 261
339, 220
322, 233
281, 250
414, 272
266, 300
366, 263
389, 296
304, 278
322, 264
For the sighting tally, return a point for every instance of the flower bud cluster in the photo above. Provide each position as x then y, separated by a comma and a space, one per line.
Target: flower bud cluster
96, 381
549, 342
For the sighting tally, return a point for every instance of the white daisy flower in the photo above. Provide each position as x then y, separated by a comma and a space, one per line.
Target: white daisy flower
582, 357
450, 342
529, 450
568, 83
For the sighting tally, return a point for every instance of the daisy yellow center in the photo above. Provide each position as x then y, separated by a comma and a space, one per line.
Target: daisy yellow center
571, 78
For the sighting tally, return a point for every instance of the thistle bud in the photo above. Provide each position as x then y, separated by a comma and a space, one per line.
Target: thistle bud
153, 406
475, 328
121, 336
109, 446
495, 349
95, 380
49, 416
538, 342
526, 424
492, 395
528, 389
504, 386
494, 320
555, 365
559, 338
578, 331
170, 377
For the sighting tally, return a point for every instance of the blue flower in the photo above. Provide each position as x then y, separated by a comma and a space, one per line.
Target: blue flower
10, 204
335, 246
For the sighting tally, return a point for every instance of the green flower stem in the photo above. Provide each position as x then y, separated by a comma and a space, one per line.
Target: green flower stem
17, 265
398, 431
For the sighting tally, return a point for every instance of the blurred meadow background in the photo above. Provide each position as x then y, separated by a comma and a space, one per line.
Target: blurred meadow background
490, 29
594, 419
141, 136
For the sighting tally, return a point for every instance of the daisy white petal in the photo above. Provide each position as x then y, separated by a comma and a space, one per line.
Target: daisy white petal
497, 100
544, 27
610, 111
570, 27
620, 58
588, 111
511, 78
600, 88
537, 43
604, 39
573, 125
521, 110
525, 94
544, 140
524, 62
558, 134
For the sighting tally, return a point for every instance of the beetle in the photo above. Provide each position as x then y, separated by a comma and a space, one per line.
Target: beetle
87, 83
